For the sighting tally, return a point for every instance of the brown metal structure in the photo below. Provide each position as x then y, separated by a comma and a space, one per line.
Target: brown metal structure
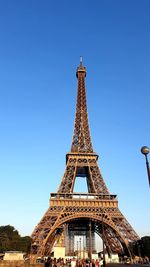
97, 208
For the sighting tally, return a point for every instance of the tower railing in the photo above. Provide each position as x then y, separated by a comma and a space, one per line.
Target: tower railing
88, 196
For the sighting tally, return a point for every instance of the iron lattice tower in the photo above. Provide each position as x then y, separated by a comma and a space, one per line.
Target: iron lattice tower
97, 208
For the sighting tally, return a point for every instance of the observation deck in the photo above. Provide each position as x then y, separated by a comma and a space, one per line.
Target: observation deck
83, 199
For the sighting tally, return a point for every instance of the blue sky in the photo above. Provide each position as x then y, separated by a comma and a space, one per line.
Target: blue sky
40, 46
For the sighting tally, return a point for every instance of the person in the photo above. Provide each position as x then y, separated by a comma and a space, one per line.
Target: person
80, 263
87, 263
73, 262
54, 263
93, 263
47, 262
97, 264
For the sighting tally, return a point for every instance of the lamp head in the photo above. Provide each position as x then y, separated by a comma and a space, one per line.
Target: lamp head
145, 150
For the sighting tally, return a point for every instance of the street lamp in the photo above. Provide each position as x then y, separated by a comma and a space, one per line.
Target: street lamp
104, 261
90, 243
145, 150
83, 248
77, 249
80, 247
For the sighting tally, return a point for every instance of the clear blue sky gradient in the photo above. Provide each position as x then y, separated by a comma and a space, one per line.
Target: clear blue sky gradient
40, 46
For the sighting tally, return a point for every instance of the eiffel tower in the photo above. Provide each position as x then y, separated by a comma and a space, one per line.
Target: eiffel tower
82, 214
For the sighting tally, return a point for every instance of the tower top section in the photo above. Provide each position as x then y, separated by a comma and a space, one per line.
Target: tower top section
81, 70
81, 142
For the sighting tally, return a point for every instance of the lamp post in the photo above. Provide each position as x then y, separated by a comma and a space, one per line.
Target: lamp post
90, 242
145, 150
139, 247
104, 262
83, 248
77, 250
80, 247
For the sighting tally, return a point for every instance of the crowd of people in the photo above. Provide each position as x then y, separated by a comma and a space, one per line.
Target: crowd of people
74, 262
49, 262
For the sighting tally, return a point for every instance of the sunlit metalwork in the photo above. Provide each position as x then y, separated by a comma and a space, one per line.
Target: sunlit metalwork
72, 213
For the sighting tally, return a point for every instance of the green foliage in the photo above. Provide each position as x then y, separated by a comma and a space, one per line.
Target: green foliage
10, 240
141, 247
146, 246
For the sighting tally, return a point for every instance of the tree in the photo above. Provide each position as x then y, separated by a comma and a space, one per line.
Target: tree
141, 247
11, 240
145, 246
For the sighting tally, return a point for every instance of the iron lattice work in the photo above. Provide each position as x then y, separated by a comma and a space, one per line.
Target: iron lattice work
81, 142
98, 207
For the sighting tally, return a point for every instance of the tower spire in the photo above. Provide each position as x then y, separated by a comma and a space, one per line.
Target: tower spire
81, 60
81, 138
